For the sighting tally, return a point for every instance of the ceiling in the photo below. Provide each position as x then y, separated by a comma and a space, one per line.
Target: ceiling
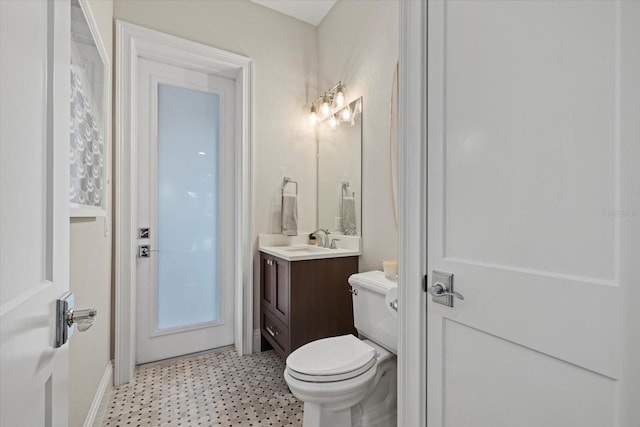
310, 11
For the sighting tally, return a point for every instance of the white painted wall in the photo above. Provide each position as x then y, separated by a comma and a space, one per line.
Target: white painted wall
90, 279
285, 77
358, 44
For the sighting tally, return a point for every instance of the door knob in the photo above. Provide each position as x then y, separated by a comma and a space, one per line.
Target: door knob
144, 251
440, 290
67, 316
82, 318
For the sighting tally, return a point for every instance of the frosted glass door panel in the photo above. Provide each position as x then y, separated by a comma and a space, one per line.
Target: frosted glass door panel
187, 178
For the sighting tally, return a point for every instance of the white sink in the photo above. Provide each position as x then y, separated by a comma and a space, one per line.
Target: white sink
295, 248
307, 252
302, 248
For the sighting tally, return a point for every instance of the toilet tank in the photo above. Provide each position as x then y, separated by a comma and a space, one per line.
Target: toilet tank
372, 316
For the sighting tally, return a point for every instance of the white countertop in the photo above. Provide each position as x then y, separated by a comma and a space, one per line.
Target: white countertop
306, 252
295, 248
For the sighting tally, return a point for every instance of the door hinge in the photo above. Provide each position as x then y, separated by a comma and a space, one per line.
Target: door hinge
425, 287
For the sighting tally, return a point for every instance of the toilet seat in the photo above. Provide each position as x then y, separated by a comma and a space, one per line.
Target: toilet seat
331, 359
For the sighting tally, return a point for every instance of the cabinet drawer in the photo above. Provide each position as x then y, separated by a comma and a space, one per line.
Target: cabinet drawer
275, 332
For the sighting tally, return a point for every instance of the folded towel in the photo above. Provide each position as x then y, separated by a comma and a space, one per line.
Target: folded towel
289, 214
349, 226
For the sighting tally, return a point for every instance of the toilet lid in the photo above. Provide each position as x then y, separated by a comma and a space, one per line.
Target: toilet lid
331, 357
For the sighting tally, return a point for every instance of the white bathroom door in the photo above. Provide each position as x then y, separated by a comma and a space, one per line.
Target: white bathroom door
184, 292
533, 206
34, 210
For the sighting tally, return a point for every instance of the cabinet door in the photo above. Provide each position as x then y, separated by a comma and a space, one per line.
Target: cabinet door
280, 303
321, 305
267, 280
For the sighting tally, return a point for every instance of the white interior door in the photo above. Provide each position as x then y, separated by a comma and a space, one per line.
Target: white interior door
185, 300
533, 207
34, 210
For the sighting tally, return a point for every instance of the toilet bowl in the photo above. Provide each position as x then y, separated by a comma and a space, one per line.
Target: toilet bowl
345, 381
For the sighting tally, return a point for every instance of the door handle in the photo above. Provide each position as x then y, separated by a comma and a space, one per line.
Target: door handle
440, 290
83, 318
67, 316
144, 251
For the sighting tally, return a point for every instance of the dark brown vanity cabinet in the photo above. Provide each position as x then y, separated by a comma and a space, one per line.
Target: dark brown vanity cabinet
302, 301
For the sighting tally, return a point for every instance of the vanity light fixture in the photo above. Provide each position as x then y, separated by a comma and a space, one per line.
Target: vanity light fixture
314, 114
340, 94
326, 105
332, 99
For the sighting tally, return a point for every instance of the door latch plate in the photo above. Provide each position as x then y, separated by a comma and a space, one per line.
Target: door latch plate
64, 329
144, 251
446, 280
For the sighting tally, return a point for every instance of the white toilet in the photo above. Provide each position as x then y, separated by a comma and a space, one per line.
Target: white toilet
349, 382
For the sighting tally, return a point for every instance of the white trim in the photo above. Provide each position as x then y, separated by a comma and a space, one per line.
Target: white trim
132, 42
105, 384
257, 346
412, 198
77, 210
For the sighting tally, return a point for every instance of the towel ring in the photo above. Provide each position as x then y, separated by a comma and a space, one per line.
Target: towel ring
345, 188
286, 181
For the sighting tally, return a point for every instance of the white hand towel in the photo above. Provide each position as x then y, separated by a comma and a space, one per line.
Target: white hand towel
349, 226
289, 214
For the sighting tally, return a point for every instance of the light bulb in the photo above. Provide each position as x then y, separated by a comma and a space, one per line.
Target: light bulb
340, 95
326, 105
313, 117
333, 122
345, 114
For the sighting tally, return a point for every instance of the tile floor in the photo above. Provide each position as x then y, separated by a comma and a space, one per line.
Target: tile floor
216, 389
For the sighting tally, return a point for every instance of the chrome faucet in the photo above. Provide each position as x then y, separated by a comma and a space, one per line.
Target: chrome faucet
325, 240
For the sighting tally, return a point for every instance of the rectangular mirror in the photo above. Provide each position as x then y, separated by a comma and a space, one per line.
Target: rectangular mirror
340, 171
90, 112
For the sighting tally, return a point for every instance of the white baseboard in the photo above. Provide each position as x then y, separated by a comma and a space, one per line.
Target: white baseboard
257, 348
105, 385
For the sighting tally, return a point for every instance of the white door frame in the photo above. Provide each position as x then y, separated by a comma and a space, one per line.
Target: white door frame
133, 42
412, 207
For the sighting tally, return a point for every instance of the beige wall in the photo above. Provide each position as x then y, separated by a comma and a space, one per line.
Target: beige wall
90, 281
284, 81
358, 44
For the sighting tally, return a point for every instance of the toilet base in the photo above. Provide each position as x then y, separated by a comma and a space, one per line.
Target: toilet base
316, 416
376, 409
